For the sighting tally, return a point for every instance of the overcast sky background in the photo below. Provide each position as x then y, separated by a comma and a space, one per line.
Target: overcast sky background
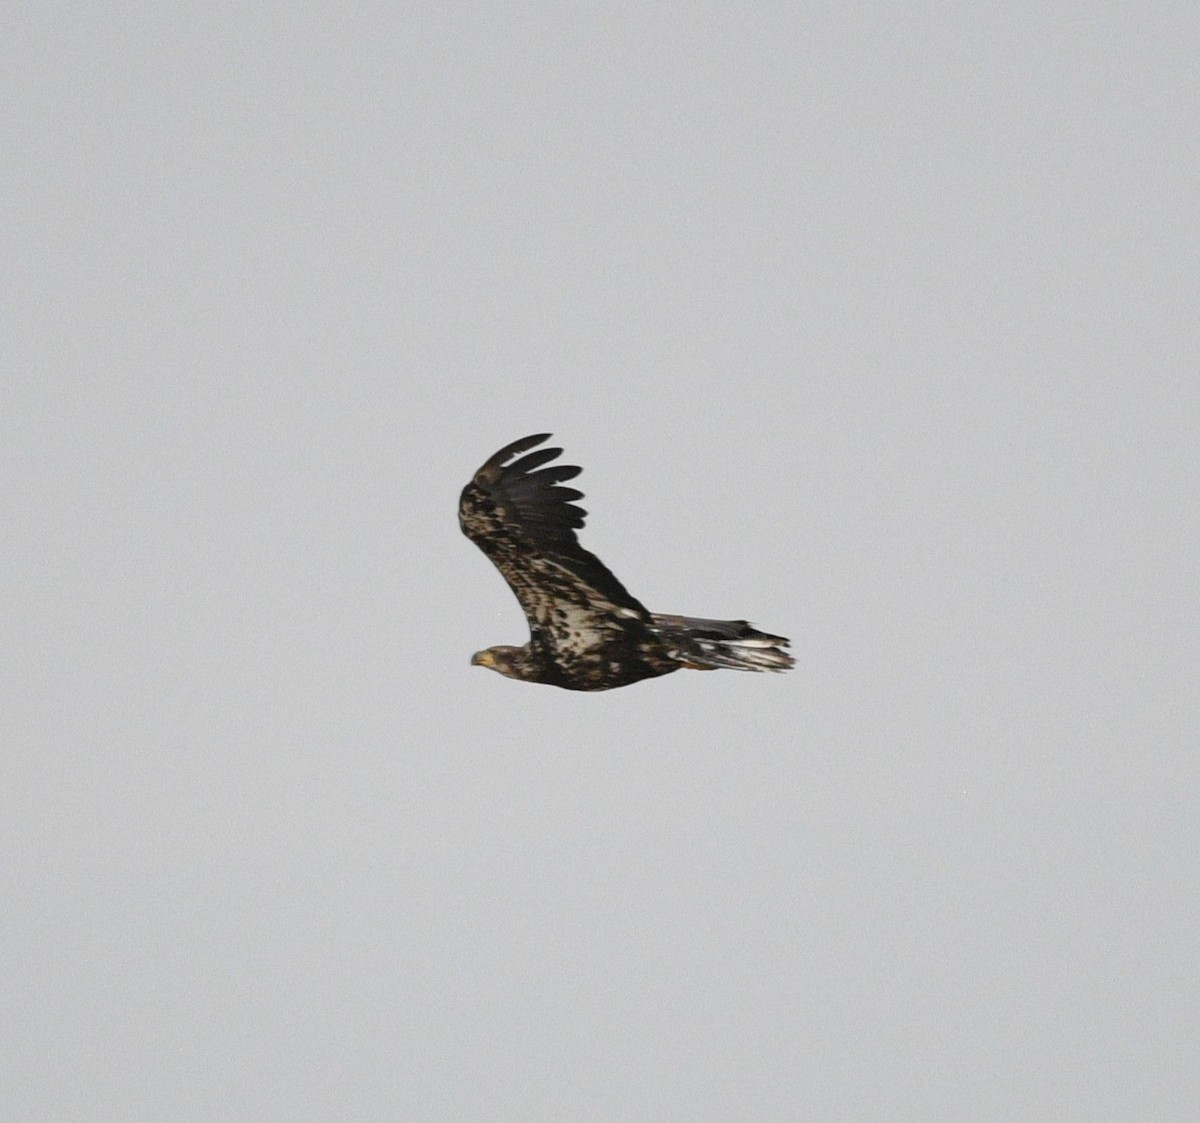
877, 326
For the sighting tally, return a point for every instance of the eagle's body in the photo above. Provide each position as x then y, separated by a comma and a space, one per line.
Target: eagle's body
586, 631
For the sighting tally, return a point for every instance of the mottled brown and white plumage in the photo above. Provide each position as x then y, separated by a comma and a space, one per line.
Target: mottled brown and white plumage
587, 632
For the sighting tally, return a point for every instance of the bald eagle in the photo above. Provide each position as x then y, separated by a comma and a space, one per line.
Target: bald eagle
586, 631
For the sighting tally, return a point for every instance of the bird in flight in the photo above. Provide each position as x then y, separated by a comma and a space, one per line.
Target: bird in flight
587, 632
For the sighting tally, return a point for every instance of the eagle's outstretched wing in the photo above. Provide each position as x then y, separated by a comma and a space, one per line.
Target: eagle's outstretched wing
525, 522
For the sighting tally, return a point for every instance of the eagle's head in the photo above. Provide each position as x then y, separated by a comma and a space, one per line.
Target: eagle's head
509, 661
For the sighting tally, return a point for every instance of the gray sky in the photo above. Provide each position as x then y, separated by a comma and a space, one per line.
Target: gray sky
878, 327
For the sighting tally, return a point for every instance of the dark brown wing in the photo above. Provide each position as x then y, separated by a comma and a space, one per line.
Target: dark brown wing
515, 511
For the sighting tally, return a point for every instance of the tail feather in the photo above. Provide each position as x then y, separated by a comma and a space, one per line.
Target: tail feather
736, 644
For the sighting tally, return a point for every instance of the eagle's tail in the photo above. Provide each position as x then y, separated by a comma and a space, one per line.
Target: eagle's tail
708, 644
